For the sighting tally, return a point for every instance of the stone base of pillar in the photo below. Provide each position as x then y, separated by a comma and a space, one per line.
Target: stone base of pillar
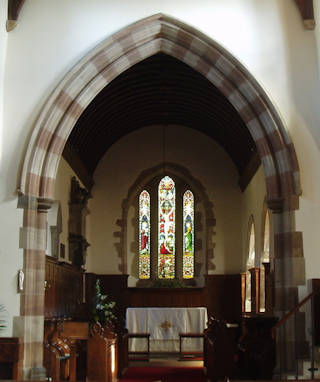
35, 374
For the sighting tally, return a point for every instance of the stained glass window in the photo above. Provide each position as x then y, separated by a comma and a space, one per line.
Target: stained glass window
144, 235
166, 232
188, 237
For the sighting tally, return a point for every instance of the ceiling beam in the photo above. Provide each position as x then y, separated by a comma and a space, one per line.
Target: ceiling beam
307, 13
14, 8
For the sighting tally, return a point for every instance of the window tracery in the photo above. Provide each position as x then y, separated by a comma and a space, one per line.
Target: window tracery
166, 231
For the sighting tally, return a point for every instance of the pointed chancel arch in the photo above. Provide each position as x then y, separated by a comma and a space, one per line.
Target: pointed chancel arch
156, 34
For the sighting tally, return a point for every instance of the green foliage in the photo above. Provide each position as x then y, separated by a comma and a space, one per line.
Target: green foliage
103, 312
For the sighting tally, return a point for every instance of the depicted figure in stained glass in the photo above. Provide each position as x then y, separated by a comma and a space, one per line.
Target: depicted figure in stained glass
165, 246
166, 233
144, 235
188, 243
188, 235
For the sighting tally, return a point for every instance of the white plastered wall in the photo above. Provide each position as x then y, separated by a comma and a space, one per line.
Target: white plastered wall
267, 36
11, 259
252, 203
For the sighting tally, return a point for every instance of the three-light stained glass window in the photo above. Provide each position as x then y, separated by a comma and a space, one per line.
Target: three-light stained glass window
188, 235
166, 244
144, 235
166, 228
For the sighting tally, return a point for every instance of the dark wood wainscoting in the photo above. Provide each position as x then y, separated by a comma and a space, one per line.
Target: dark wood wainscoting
316, 309
63, 290
11, 358
70, 292
114, 286
223, 297
165, 297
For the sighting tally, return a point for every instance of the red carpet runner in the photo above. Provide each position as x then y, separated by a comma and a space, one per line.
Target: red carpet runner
164, 374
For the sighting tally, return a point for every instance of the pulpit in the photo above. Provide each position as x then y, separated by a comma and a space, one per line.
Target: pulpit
164, 326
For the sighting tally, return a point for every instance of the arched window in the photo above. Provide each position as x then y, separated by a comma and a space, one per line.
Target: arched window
144, 235
168, 207
265, 258
167, 229
250, 262
188, 229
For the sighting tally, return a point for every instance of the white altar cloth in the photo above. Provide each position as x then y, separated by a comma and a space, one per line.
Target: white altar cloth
164, 326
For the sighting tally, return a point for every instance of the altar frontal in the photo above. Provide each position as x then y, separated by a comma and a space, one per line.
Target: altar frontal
164, 326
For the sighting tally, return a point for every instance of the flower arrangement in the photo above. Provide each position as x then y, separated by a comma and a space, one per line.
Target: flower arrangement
103, 312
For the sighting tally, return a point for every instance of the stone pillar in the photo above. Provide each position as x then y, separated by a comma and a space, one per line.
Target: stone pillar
289, 272
30, 324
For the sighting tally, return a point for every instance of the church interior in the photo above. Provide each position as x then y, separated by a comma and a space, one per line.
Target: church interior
160, 190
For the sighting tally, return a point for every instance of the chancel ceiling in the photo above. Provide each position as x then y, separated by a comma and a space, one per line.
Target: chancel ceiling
159, 90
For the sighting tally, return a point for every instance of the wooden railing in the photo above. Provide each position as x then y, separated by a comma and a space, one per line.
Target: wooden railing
279, 329
286, 317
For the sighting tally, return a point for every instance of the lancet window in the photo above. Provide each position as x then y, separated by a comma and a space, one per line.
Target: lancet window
144, 235
167, 208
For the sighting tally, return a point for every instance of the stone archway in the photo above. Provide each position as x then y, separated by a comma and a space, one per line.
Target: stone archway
158, 33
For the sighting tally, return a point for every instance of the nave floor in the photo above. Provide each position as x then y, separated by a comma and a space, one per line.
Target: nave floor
168, 359
165, 369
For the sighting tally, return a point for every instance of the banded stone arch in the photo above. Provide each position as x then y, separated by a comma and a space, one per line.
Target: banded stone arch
126, 48
158, 33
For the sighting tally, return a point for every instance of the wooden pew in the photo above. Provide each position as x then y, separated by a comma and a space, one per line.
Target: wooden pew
57, 352
62, 340
102, 355
72, 333
11, 357
106, 351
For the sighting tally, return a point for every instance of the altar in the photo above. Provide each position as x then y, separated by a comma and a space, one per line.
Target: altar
164, 326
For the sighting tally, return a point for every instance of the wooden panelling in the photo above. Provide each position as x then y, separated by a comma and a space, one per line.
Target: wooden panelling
223, 297
11, 357
64, 294
114, 286
63, 290
316, 310
166, 297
